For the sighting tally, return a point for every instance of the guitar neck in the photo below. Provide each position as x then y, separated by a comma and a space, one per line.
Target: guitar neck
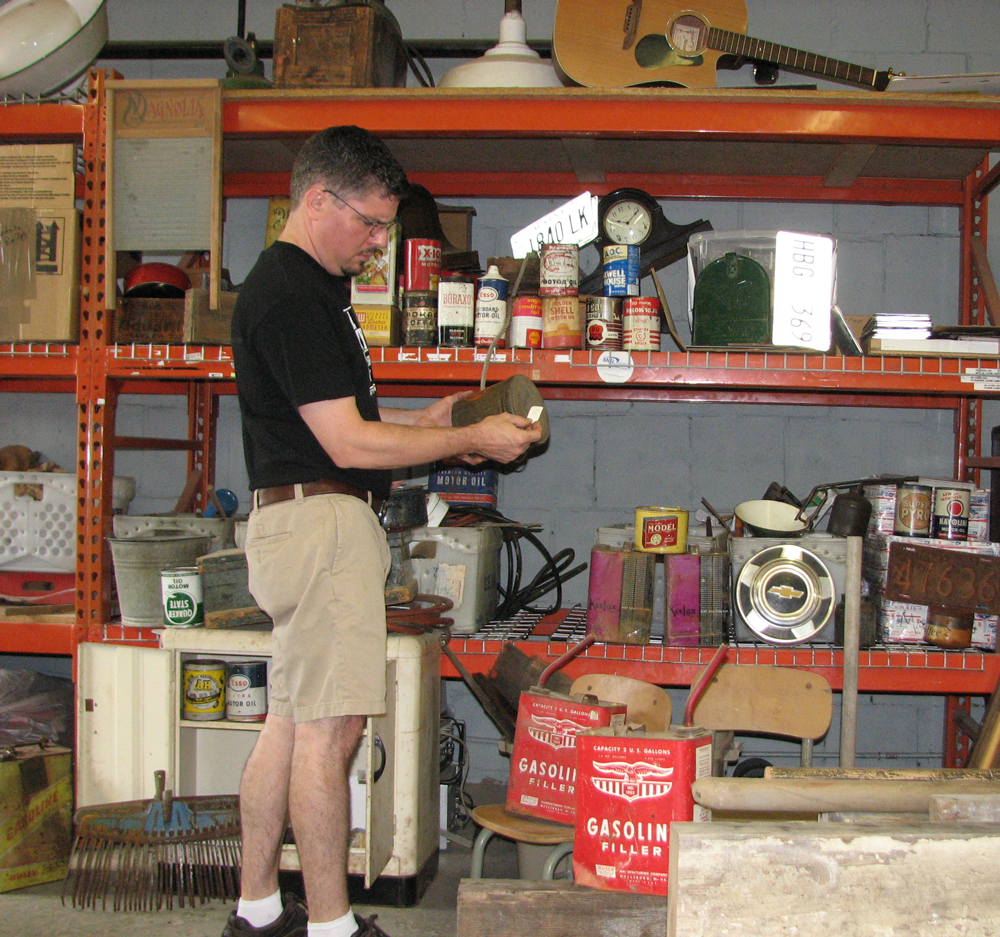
723, 40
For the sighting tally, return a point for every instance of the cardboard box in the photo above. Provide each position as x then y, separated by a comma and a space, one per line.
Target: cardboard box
36, 814
38, 175
189, 320
50, 309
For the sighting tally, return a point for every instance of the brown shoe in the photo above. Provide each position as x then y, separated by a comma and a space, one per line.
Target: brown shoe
292, 923
368, 928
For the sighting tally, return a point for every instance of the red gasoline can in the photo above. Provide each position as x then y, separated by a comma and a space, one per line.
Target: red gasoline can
543, 765
631, 785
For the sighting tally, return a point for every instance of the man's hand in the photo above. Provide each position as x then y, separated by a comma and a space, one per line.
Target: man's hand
503, 438
439, 412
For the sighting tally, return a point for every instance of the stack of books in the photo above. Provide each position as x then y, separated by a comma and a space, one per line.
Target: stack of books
913, 334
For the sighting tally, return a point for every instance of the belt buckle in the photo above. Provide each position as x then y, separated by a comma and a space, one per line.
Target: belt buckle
381, 512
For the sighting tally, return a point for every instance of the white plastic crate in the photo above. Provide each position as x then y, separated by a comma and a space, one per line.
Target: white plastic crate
38, 521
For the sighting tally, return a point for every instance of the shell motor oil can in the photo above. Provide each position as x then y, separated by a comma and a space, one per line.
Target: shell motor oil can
630, 786
543, 764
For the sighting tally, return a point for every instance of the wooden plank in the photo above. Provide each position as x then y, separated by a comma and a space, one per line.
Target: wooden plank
488, 907
966, 808
981, 262
777, 879
850, 160
885, 774
237, 617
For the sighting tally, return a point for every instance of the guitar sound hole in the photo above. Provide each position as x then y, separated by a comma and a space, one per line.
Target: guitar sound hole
653, 51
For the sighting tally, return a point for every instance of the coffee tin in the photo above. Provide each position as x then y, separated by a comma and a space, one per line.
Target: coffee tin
204, 690
950, 520
423, 265
948, 628
246, 691
420, 319
526, 322
183, 598
491, 308
559, 270
621, 270
561, 322
661, 530
456, 311
913, 510
604, 323
641, 324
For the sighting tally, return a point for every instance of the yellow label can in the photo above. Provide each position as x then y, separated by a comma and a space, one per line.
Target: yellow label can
204, 690
661, 530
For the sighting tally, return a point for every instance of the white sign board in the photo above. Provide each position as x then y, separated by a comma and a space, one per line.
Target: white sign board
572, 223
804, 278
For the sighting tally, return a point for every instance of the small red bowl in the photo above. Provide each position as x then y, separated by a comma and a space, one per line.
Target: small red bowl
156, 281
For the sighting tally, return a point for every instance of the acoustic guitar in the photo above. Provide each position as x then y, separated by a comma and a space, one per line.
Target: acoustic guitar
618, 43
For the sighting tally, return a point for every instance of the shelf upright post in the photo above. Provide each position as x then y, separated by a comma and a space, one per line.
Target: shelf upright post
203, 415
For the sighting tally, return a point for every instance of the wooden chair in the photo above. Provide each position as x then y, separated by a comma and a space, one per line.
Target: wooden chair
645, 703
757, 699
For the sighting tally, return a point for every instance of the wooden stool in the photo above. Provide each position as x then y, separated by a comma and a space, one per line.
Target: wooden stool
494, 819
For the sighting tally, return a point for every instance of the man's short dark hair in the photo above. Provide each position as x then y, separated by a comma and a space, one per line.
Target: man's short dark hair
350, 160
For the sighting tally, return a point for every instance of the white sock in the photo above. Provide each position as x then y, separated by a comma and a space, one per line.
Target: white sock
262, 912
343, 927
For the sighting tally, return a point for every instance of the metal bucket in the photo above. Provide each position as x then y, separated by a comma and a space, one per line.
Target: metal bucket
138, 562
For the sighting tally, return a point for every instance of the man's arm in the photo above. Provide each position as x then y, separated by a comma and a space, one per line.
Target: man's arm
353, 442
437, 413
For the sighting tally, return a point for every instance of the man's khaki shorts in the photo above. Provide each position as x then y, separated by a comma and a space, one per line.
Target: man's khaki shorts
318, 567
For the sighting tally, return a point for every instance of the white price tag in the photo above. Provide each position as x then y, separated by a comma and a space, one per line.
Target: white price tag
572, 223
804, 266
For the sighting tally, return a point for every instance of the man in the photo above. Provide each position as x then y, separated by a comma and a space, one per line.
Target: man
319, 450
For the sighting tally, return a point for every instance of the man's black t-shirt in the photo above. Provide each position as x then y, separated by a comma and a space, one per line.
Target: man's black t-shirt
296, 341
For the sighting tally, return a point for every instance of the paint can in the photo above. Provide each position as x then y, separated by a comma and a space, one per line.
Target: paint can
950, 520
491, 308
246, 691
420, 319
561, 323
913, 510
423, 265
456, 311
559, 270
661, 530
641, 324
526, 322
183, 597
604, 323
621, 270
204, 689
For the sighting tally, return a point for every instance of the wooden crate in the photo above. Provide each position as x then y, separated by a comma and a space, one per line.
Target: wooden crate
344, 46
228, 603
188, 320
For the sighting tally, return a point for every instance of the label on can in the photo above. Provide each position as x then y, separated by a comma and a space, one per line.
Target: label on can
621, 270
491, 310
183, 599
604, 323
641, 324
951, 514
420, 319
561, 325
526, 322
246, 691
661, 530
559, 270
913, 510
456, 311
423, 264
204, 688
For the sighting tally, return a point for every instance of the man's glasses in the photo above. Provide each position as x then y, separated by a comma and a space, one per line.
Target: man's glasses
374, 227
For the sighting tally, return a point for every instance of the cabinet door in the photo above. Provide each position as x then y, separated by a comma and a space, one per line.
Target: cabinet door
126, 714
380, 817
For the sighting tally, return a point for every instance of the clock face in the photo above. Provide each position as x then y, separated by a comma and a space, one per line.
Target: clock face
628, 222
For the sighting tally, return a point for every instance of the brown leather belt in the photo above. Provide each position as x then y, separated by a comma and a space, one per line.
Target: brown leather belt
325, 486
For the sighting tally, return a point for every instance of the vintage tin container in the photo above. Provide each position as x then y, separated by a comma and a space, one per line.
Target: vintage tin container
621, 270
543, 764
630, 787
661, 530
204, 690
246, 691
456, 311
913, 510
604, 323
950, 520
949, 629
420, 319
183, 597
562, 326
526, 322
422, 266
559, 270
641, 324
491, 308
